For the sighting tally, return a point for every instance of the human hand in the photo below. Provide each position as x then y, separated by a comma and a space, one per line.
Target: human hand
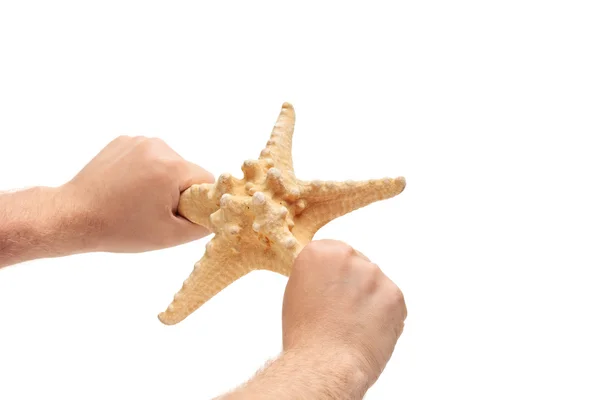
337, 301
128, 196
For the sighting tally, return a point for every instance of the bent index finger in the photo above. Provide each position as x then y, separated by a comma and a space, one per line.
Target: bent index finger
194, 174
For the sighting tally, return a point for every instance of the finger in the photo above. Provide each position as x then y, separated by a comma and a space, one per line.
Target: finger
186, 231
194, 174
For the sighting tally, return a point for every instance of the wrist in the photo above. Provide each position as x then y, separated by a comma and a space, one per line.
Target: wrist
41, 222
334, 367
57, 224
71, 222
307, 373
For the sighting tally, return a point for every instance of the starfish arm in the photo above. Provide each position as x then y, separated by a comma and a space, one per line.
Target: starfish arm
279, 146
218, 268
198, 202
326, 201
282, 264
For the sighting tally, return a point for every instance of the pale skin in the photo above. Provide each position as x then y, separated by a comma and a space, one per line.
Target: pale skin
341, 316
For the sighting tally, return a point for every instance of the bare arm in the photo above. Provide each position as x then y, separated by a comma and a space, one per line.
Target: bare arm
305, 374
124, 200
40, 222
341, 320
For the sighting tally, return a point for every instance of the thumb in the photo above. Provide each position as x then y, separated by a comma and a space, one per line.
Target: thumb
186, 231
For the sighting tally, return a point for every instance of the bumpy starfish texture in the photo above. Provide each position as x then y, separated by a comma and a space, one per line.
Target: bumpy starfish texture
263, 220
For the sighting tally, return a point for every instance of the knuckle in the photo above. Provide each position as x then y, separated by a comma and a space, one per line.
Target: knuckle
372, 269
138, 139
336, 249
120, 140
146, 142
331, 252
372, 276
309, 255
395, 299
157, 141
361, 255
369, 284
312, 248
323, 247
345, 250
155, 149
397, 295
129, 138
338, 253
306, 256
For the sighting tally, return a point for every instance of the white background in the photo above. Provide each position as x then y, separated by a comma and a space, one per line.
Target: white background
489, 109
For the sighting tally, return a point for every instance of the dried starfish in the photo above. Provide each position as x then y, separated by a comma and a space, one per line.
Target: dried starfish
263, 220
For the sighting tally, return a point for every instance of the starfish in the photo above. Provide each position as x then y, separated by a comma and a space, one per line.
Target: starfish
263, 220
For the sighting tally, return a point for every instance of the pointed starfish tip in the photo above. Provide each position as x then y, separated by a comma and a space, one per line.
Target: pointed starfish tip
401, 182
162, 317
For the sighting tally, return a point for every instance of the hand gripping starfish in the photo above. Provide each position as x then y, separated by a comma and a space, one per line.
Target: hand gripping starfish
263, 220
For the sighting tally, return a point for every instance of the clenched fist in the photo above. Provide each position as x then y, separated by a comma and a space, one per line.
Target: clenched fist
337, 301
128, 196
341, 320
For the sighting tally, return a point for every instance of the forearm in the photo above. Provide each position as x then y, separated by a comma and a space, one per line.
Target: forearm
299, 375
39, 222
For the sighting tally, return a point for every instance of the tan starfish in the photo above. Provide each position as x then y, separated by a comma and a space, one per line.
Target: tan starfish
263, 220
